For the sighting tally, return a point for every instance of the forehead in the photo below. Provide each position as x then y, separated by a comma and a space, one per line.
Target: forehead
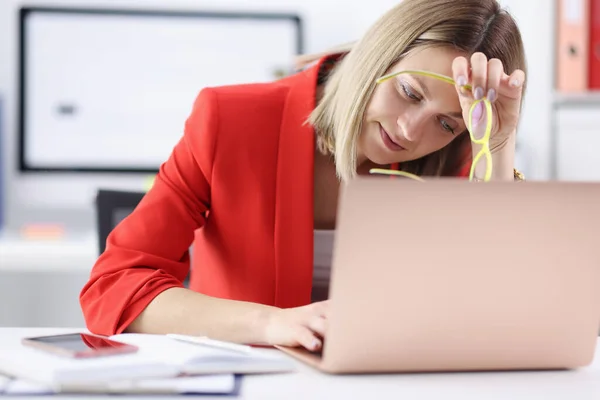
430, 58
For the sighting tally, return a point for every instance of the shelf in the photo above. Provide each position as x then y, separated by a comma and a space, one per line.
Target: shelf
575, 99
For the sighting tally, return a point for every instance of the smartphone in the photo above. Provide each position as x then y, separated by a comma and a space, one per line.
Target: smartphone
79, 345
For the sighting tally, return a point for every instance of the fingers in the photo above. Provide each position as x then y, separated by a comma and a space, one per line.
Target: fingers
512, 85
318, 325
316, 322
479, 75
487, 81
317, 317
321, 308
495, 72
460, 72
307, 339
487, 78
516, 79
304, 326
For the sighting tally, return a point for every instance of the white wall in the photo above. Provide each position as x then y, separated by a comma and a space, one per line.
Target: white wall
536, 22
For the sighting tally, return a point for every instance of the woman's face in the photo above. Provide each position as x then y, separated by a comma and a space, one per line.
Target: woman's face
411, 116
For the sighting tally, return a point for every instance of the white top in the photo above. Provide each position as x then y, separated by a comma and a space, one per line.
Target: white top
323, 252
582, 384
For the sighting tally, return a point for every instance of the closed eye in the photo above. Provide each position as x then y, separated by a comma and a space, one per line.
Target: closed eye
446, 126
409, 91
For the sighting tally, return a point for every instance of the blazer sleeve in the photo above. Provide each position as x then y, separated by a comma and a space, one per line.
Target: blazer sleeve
147, 252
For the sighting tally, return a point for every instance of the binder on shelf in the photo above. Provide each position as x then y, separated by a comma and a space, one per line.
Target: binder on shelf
594, 49
573, 42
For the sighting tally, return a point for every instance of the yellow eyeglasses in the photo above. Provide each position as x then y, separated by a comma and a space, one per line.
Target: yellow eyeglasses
484, 140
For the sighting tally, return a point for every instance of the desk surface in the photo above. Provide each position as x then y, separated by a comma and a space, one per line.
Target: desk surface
309, 383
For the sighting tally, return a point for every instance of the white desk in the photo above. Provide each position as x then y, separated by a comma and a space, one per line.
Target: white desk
306, 383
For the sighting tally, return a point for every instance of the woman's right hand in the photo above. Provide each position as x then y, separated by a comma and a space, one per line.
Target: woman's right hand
301, 326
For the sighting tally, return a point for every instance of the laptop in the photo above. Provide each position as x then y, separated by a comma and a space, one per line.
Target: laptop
450, 275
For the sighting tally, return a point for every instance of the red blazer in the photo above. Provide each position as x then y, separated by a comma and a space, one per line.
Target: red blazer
243, 172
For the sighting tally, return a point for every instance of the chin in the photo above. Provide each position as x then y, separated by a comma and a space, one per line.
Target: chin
383, 161
380, 157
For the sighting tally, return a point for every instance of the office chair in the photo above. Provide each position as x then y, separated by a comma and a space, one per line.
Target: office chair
112, 206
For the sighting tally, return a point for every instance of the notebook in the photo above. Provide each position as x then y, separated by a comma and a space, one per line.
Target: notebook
195, 359
159, 358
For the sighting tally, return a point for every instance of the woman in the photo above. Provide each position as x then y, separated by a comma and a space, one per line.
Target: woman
259, 180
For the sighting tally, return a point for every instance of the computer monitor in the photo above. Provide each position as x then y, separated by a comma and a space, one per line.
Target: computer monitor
108, 90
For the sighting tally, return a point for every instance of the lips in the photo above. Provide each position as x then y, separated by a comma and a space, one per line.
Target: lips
388, 141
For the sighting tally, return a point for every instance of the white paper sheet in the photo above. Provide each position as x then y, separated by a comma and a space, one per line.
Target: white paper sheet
212, 384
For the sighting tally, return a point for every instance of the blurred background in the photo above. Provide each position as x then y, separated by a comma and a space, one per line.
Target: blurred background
94, 94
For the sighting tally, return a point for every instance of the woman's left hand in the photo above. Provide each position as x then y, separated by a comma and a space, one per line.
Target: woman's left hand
488, 79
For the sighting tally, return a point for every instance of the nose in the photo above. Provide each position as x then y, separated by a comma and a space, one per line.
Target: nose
411, 126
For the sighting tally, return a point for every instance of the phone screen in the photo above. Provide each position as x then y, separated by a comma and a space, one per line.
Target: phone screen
78, 342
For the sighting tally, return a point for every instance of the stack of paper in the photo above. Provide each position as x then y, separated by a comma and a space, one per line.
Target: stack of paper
161, 365
225, 384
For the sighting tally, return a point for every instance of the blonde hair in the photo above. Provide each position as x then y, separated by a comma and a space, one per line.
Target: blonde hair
467, 25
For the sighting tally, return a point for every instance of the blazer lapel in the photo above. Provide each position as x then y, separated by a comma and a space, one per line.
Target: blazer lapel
294, 194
